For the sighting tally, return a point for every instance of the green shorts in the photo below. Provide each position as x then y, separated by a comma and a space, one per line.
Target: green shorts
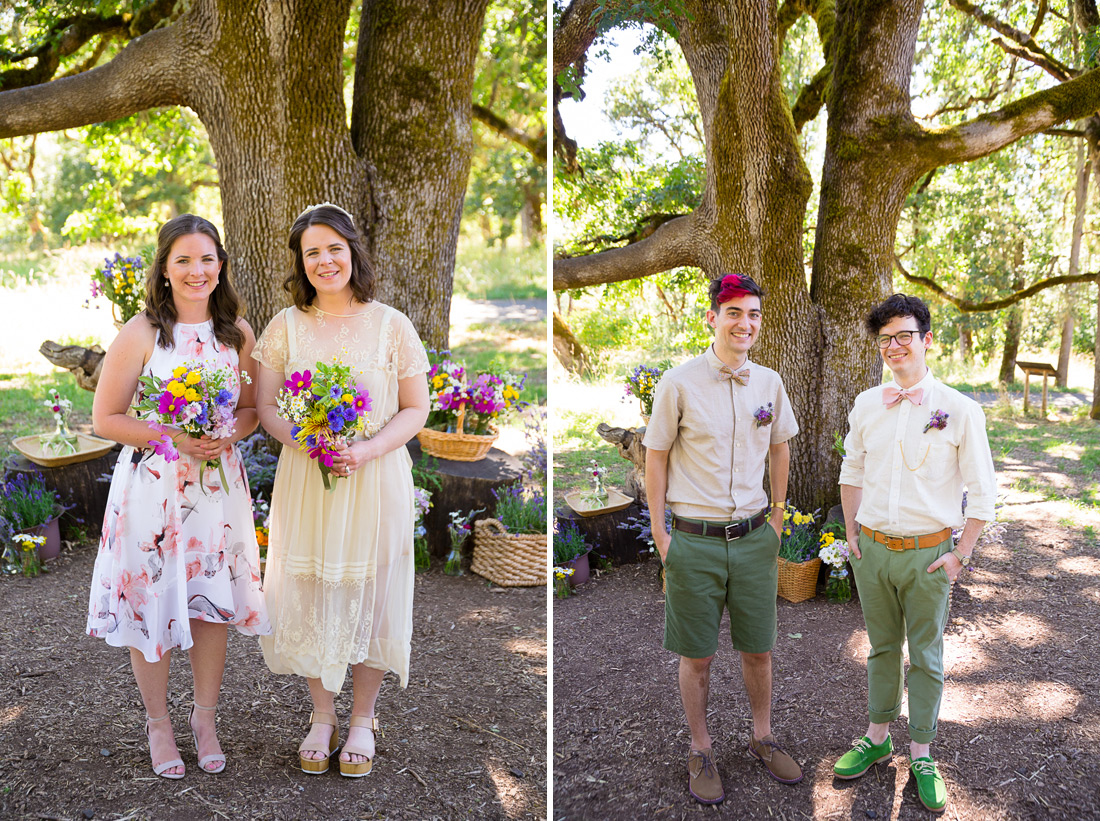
703, 574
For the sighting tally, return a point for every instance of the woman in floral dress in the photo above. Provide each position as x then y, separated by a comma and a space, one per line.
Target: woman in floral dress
340, 563
178, 560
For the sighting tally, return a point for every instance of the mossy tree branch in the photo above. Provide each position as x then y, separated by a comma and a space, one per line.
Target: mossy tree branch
968, 307
1023, 38
670, 246
535, 145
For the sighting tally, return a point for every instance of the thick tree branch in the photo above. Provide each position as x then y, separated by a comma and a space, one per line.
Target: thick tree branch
992, 131
1011, 32
575, 34
70, 34
670, 247
811, 98
146, 74
646, 227
967, 307
536, 145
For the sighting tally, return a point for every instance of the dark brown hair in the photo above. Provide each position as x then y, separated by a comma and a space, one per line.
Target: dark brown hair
895, 306
225, 305
362, 272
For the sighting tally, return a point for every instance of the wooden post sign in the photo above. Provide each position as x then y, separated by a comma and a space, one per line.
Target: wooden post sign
1036, 369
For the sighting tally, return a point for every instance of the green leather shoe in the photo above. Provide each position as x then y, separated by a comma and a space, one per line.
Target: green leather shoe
862, 757
930, 786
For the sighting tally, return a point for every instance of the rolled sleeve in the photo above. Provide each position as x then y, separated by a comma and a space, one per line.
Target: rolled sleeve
851, 468
976, 467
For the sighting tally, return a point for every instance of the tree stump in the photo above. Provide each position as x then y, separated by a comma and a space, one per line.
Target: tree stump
465, 486
629, 443
85, 363
79, 487
603, 534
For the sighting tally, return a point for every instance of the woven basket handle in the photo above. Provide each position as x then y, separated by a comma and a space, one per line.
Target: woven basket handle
492, 524
460, 423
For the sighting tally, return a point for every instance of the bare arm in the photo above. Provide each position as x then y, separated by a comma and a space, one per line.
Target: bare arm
247, 417
268, 383
850, 498
118, 382
968, 539
779, 465
656, 486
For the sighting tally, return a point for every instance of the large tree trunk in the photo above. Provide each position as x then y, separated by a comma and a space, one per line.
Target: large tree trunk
1080, 205
1013, 326
265, 77
411, 124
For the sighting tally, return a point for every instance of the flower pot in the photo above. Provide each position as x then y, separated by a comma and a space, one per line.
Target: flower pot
52, 531
798, 580
581, 569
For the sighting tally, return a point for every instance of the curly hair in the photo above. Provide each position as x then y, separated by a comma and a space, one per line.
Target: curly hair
895, 306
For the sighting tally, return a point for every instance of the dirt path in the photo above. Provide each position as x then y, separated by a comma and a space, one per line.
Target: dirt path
1019, 728
467, 738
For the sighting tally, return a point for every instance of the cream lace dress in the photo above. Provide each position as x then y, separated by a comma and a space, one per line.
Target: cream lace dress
339, 578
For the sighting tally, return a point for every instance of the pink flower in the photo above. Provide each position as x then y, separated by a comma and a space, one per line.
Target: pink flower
322, 455
171, 404
361, 402
163, 446
299, 382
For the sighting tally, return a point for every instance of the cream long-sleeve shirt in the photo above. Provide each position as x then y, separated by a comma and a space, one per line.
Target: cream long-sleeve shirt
913, 479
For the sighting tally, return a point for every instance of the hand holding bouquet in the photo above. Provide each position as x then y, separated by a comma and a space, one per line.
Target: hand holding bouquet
197, 399
326, 409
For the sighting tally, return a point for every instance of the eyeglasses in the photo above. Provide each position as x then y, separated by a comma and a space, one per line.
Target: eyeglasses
902, 337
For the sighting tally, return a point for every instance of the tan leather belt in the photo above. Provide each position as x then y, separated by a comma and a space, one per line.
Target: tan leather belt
907, 542
721, 531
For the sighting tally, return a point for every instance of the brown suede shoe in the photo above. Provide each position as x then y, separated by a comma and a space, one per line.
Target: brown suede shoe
704, 783
781, 766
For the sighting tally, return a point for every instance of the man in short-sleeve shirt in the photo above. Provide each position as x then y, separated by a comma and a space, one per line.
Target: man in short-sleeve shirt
911, 447
715, 419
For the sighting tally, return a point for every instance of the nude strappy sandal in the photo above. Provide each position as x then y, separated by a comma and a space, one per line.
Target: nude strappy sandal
320, 765
206, 759
357, 769
159, 769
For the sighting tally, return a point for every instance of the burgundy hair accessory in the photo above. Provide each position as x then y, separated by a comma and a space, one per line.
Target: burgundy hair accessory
732, 288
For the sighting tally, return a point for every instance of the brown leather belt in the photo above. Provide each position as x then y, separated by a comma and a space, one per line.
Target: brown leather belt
907, 542
720, 531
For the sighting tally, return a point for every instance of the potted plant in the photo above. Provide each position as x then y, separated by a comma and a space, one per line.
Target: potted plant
510, 550
462, 409
799, 563
570, 551
30, 507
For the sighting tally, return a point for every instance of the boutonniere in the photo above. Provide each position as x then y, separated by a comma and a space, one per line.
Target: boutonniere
938, 420
764, 415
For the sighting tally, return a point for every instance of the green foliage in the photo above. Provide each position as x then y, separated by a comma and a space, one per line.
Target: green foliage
520, 509
22, 411
799, 542
503, 273
568, 543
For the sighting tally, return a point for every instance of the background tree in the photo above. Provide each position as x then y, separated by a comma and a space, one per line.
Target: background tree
266, 79
754, 203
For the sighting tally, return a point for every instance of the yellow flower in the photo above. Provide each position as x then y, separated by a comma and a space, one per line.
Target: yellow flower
175, 388
180, 371
193, 378
347, 397
192, 395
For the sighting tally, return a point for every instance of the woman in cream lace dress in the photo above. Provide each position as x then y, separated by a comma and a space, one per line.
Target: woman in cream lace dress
339, 577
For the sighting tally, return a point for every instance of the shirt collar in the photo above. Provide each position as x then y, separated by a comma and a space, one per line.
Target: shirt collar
716, 363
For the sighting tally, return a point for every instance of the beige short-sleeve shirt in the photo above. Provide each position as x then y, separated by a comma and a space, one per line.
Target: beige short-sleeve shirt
716, 446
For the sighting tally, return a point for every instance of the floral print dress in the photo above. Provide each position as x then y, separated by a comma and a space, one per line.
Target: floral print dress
170, 551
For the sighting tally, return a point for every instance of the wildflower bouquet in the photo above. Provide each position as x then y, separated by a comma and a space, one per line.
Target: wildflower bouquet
422, 503
485, 397
642, 383
799, 542
458, 529
22, 556
62, 440
834, 552
491, 395
447, 390
562, 587
121, 280
197, 400
326, 409
598, 495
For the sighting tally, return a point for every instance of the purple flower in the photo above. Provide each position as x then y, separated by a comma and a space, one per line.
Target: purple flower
938, 420
349, 412
163, 446
223, 397
336, 391
336, 420
764, 415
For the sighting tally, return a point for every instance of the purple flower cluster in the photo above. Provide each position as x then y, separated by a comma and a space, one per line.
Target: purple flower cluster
938, 420
764, 415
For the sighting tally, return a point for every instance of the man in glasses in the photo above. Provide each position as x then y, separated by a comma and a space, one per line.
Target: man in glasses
912, 446
715, 420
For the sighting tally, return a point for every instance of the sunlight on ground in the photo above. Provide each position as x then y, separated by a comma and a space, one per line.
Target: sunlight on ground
962, 655
980, 704
1083, 565
486, 615
1015, 628
10, 714
509, 790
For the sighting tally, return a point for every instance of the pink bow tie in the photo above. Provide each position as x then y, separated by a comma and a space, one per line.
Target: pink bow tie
891, 396
741, 377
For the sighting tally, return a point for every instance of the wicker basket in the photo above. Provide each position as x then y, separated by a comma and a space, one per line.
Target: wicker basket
507, 559
798, 581
458, 447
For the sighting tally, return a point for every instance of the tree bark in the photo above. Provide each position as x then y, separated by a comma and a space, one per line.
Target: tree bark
266, 79
568, 349
411, 124
1013, 326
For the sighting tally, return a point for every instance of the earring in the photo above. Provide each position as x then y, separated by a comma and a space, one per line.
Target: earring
167, 283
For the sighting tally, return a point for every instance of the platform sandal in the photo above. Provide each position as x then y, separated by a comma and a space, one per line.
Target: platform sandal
320, 765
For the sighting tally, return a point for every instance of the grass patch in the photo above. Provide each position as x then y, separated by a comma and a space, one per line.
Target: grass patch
494, 273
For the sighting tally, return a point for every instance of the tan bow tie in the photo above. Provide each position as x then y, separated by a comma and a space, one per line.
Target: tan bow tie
741, 377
